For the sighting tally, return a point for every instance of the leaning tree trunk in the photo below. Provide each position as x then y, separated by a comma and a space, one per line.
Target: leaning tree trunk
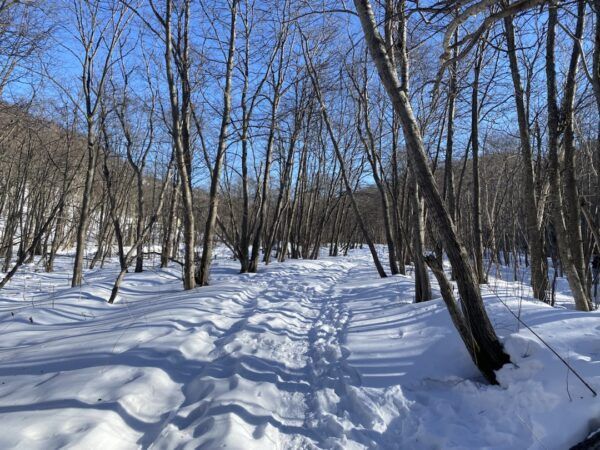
488, 354
347, 185
140, 238
373, 158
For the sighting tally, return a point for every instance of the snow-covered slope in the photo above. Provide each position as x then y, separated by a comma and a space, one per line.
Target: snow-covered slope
305, 354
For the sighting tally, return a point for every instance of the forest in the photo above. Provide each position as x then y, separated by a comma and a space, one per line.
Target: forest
279, 223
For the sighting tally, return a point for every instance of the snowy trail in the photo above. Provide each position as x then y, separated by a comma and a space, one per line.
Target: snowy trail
303, 355
232, 364
254, 392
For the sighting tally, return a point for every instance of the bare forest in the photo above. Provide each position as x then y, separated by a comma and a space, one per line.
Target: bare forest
452, 145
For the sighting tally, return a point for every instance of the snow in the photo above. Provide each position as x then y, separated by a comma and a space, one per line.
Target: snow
304, 354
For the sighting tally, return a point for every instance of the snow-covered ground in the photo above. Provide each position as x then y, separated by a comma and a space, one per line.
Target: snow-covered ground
305, 354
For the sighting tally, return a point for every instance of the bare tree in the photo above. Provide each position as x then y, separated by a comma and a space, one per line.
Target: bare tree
202, 277
539, 269
563, 188
489, 355
98, 32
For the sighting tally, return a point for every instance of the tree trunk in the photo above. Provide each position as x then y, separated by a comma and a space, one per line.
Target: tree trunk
84, 213
209, 231
567, 237
488, 353
422, 284
477, 240
539, 265
343, 171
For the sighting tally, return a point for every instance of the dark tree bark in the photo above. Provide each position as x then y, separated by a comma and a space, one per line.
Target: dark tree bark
489, 355
539, 265
563, 186
477, 239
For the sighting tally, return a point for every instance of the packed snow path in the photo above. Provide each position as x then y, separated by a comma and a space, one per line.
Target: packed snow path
305, 354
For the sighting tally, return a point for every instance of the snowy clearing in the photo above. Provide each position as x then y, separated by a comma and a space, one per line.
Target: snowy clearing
304, 354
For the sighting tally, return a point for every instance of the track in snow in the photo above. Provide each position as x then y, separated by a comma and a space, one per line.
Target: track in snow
304, 355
